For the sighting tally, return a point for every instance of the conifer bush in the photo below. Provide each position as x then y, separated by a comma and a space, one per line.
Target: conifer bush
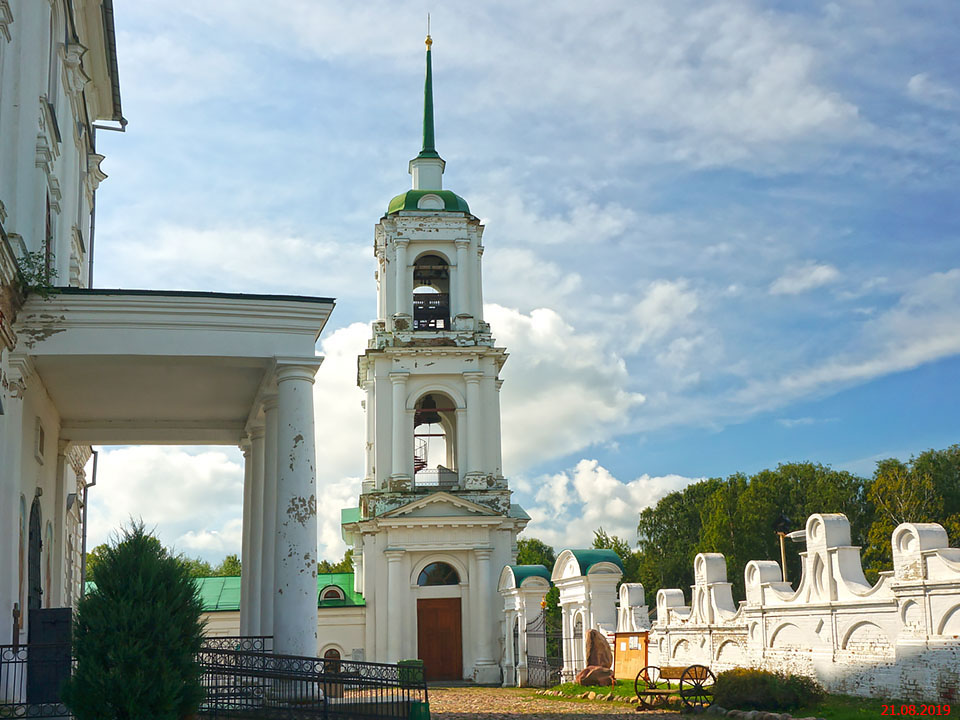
751, 689
136, 636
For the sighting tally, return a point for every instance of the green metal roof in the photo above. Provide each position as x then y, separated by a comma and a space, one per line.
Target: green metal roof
589, 558
408, 201
222, 593
522, 572
219, 593
349, 515
344, 581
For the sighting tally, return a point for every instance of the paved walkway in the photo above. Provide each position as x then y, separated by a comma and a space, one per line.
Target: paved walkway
466, 703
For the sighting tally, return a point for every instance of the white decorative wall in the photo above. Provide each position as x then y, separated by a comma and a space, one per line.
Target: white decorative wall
898, 639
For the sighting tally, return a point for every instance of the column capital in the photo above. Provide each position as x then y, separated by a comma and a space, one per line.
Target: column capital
462, 243
245, 446
394, 554
255, 432
399, 376
401, 242
473, 376
297, 368
498, 384
269, 401
483, 553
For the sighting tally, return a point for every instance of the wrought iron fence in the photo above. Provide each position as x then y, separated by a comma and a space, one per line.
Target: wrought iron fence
265, 685
31, 677
241, 677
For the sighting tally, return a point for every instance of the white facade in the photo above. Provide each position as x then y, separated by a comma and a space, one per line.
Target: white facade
896, 639
433, 490
57, 77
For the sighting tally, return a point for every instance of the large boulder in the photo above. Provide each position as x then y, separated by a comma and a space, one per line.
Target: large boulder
595, 675
598, 650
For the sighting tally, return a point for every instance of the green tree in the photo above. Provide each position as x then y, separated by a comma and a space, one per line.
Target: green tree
136, 636
94, 557
197, 567
924, 489
229, 567
531, 551
344, 566
668, 535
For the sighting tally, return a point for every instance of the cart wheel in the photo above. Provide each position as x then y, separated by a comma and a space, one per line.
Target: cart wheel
649, 679
696, 687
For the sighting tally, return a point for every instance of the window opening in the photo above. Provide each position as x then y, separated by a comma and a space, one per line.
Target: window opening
438, 573
435, 441
431, 293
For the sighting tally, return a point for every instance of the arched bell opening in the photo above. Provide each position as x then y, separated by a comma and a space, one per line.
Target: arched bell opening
435, 441
431, 293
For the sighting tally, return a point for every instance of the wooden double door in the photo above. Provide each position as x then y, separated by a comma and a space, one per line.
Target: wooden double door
440, 638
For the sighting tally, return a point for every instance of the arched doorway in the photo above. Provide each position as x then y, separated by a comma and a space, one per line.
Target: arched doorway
439, 628
34, 548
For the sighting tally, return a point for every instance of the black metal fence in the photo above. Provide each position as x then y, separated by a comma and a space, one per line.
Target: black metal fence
31, 677
242, 678
245, 683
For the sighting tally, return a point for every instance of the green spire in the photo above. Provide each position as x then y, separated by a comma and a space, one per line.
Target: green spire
429, 149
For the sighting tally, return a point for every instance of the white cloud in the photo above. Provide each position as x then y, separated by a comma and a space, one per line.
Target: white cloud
922, 327
193, 498
238, 258
665, 306
562, 391
923, 88
801, 278
572, 504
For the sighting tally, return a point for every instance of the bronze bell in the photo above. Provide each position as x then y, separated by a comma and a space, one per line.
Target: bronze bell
427, 414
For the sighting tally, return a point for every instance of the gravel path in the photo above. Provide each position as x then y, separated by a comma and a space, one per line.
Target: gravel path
465, 703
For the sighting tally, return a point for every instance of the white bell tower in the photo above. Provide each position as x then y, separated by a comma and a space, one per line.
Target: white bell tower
435, 523
431, 370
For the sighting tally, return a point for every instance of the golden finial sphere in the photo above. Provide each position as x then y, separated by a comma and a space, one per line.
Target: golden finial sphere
429, 41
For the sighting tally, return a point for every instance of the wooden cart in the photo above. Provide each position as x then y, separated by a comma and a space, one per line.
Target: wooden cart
694, 686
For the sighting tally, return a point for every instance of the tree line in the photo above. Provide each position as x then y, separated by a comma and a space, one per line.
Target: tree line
739, 516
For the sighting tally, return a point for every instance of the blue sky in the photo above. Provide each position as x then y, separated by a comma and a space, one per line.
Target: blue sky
720, 235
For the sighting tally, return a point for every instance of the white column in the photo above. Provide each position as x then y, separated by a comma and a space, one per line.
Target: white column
463, 278
246, 564
11, 444
474, 423
509, 672
269, 542
395, 591
478, 284
486, 670
497, 437
370, 416
295, 602
256, 529
522, 649
400, 461
403, 299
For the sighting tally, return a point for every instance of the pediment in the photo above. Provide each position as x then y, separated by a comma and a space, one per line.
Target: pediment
440, 504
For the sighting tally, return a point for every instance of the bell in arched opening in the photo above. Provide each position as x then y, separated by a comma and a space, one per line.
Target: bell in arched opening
427, 412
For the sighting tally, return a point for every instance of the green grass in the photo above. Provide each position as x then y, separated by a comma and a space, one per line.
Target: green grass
622, 687
847, 707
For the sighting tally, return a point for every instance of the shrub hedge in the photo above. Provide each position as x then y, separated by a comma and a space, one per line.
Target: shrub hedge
136, 636
749, 689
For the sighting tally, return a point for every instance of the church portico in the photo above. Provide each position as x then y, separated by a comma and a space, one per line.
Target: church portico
97, 367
